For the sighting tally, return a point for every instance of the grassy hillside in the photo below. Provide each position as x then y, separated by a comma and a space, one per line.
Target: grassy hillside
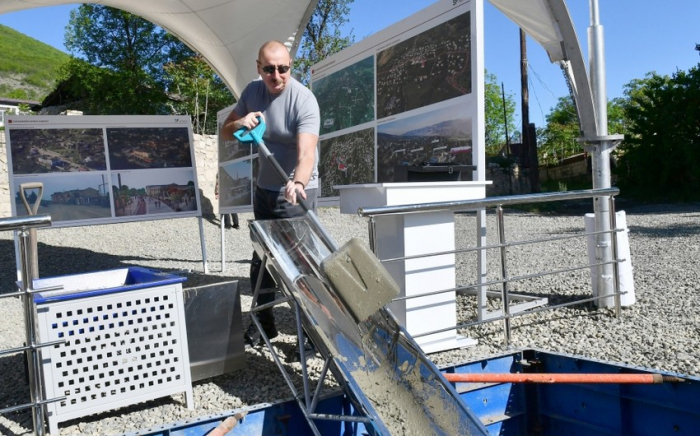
27, 66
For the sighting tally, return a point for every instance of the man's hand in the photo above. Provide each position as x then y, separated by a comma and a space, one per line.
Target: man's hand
292, 190
249, 121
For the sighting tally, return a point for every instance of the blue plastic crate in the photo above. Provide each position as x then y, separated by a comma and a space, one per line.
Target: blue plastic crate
101, 283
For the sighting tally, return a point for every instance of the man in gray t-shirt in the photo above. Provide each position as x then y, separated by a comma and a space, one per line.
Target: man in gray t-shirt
293, 120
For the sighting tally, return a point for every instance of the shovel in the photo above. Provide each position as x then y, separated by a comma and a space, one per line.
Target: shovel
360, 279
31, 211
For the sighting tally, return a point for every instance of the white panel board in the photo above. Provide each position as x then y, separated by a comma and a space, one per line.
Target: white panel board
103, 169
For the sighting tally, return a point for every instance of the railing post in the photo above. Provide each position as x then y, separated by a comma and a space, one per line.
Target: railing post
504, 275
372, 230
615, 255
32, 355
481, 266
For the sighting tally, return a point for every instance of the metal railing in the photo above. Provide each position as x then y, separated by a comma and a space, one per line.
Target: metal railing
498, 203
27, 250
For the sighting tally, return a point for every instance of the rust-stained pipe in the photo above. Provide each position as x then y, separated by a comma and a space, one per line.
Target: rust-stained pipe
560, 378
227, 424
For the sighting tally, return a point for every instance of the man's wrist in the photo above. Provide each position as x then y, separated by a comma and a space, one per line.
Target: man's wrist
303, 186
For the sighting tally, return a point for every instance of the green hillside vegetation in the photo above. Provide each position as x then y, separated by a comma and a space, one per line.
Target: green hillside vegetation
28, 68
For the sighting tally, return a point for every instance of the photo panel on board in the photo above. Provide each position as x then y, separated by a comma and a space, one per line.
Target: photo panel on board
346, 160
132, 148
154, 192
236, 184
231, 148
427, 68
438, 135
57, 150
346, 97
67, 197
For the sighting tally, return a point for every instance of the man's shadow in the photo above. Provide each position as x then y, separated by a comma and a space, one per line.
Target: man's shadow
57, 261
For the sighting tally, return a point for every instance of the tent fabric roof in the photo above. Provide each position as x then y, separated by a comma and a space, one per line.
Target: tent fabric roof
228, 33
537, 20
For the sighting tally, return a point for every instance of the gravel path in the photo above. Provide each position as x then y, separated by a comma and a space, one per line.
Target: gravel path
660, 331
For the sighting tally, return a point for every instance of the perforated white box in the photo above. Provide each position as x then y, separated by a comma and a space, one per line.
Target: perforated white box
123, 345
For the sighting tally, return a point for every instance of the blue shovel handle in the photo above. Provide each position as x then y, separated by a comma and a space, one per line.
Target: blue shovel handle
253, 135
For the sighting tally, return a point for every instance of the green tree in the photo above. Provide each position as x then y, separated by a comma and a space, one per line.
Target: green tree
197, 91
618, 123
661, 155
495, 135
121, 41
559, 138
129, 65
102, 91
322, 36
129, 53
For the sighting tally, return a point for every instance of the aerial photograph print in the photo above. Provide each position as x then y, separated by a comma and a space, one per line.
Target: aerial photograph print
346, 97
346, 160
56, 150
133, 148
430, 67
441, 135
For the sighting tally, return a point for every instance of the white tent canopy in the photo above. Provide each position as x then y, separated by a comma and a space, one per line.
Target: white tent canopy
536, 19
228, 33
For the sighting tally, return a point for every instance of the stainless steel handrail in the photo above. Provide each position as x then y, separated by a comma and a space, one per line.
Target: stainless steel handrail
25, 222
490, 202
498, 203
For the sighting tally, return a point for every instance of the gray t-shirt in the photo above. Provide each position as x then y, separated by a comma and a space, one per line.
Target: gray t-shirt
294, 110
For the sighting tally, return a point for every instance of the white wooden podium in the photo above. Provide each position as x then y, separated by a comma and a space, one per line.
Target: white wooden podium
399, 236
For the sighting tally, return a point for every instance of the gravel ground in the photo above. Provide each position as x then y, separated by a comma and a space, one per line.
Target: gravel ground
659, 331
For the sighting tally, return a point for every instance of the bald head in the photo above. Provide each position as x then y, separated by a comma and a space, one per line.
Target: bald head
272, 48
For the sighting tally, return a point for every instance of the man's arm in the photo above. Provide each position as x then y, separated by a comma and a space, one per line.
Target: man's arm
306, 156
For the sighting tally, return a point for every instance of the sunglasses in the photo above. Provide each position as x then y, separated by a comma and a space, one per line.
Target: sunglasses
270, 69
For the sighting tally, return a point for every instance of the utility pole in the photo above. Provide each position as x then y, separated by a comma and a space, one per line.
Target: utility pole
524, 93
529, 137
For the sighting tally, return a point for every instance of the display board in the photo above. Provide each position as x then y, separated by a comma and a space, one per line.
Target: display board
103, 169
409, 95
238, 168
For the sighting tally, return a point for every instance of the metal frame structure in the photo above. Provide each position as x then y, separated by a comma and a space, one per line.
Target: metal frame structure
373, 360
23, 226
531, 304
308, 399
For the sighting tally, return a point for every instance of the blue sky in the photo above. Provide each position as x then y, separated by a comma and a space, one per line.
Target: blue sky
640, 36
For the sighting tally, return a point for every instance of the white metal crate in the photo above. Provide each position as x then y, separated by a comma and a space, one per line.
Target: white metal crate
122, 346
